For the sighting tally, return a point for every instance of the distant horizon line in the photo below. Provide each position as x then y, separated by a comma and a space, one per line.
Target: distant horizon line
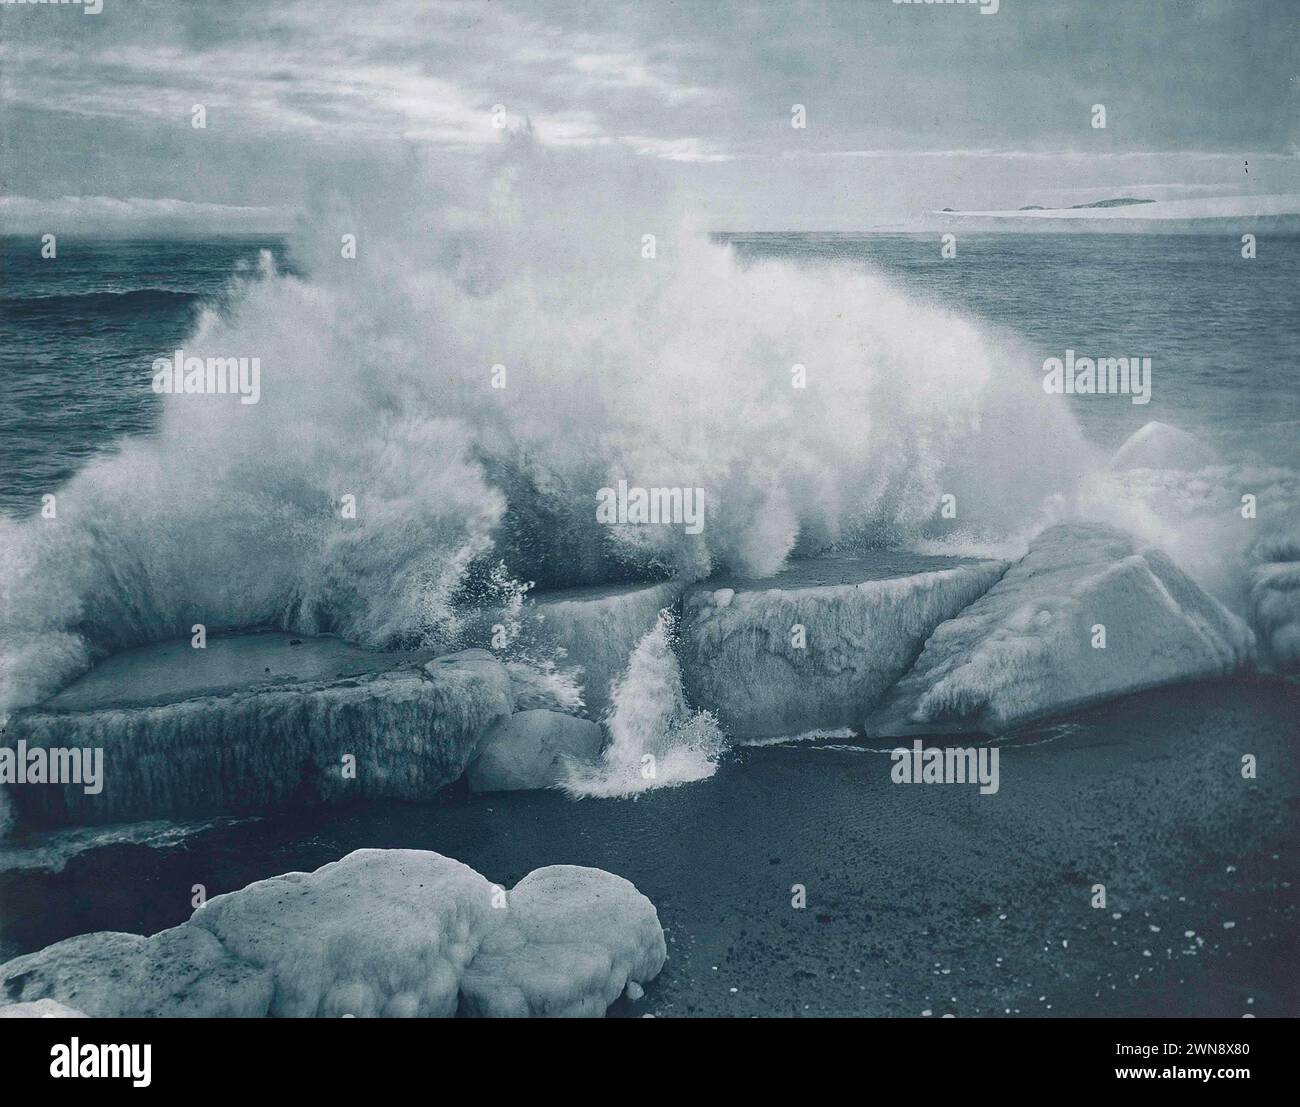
1192, 228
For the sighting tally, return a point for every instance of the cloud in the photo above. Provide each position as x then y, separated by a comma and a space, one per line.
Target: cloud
628, 71
361, 73
111, 215
677, 149
907, 109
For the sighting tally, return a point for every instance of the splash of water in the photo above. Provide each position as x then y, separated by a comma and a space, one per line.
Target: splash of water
656, 740
377, 374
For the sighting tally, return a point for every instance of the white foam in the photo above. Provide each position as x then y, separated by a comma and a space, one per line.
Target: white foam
656, 741
376, 382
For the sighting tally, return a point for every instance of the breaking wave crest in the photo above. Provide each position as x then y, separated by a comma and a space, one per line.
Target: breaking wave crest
377, 382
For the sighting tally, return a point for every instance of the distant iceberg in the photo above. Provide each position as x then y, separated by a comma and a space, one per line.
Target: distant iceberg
1244, 213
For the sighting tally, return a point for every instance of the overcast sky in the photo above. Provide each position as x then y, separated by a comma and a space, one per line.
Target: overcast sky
909, 107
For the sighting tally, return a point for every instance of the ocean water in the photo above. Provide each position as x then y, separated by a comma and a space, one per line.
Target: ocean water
77, 336
1223, 332
78, 333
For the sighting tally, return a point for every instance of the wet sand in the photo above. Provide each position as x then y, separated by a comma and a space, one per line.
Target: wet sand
920, 898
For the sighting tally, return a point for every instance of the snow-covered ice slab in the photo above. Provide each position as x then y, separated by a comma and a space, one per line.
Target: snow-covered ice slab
183, 972
395, 933
1179, 488
257, 721
41, 1009
531, 750
1160, 446
1031, 646
599, 627
572, 941
864, 620
1274, 574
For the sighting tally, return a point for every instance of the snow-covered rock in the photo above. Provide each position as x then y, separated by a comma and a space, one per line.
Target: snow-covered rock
570, 943
1030, 647
529, 750
396, 933
41, 1009
1160, 446
1274, 600
380, 932
598, 628
178, 973
818, 644
259, 721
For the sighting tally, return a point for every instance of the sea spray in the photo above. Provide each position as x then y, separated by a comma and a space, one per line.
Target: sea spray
656, 740
381, 466
493, 609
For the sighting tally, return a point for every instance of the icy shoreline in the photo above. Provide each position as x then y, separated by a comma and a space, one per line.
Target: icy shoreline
282, 721
1143, 794
391, 933
892, 643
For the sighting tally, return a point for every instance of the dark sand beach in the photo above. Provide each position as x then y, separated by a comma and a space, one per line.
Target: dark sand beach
920, 899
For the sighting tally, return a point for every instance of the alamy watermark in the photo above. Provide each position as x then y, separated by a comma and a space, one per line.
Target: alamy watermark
53, 765
946, 765
1104, 376
634, 505
88, 7
100, 1059
986, 7
209, 376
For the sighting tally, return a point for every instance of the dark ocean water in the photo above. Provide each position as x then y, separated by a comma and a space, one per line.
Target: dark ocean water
1222, 332
78, 333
